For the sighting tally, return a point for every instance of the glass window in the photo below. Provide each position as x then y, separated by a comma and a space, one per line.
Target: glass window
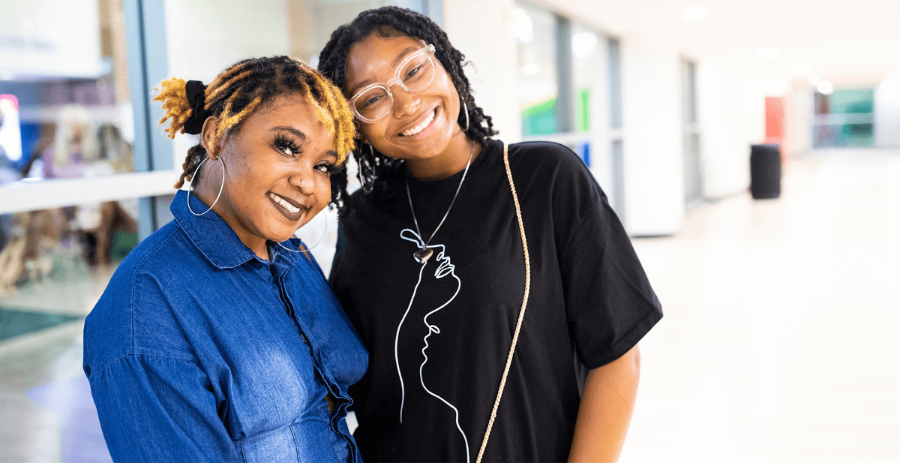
537, 84
63, 249
65, 107
615, 83
65, 113
844, 118
693, 167
589, 78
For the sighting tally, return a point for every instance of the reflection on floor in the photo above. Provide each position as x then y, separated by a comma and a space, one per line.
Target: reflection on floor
15, 323
48, 412
781, 341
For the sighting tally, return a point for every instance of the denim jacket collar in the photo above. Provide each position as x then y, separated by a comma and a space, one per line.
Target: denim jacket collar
212, 235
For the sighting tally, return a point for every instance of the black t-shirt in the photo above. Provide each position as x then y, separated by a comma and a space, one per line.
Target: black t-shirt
439, 334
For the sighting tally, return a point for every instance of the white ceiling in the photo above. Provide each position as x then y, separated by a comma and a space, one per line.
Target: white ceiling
842, 40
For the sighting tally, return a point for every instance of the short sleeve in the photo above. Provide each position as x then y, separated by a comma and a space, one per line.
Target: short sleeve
168, 403
610, 304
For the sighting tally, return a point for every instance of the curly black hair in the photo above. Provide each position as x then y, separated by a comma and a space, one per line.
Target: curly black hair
379, 174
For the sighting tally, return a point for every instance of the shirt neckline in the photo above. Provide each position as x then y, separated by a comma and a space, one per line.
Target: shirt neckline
214, 237
416, 186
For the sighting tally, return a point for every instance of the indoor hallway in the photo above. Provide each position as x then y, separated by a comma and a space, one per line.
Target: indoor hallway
781, 335
781, 340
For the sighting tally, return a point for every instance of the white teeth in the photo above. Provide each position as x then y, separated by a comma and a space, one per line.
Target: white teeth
415, 130
284, 204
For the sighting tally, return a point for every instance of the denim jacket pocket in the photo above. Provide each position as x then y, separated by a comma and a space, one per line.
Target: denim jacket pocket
278, 446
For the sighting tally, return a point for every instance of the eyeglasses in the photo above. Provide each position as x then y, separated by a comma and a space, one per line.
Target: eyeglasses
414, 74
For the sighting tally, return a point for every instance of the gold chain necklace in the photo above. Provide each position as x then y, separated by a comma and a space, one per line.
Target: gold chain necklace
512, 348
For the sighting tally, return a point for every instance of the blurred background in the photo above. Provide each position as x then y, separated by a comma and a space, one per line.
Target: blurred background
781, 341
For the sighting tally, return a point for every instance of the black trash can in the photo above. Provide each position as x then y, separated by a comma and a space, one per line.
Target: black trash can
765, 171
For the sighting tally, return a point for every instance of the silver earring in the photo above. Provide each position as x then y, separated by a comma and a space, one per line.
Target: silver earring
310, 247
194, 177
466, 110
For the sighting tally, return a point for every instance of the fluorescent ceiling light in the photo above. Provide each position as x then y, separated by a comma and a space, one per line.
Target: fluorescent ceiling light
825, 88
583, 44
800, 70
815, 79
766, 53
695, 13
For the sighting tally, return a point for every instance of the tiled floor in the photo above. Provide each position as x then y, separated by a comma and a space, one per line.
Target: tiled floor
781, 341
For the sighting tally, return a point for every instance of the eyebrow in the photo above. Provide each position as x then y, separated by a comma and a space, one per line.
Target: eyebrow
301, 136
297, 133
394, 64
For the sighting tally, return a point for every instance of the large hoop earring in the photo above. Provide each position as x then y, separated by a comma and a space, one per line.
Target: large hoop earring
466, 110
310, 247
194, 177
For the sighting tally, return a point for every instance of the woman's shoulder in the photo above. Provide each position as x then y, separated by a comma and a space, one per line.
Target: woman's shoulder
157, 254
546, 154
553, 171
553, 164
135, 294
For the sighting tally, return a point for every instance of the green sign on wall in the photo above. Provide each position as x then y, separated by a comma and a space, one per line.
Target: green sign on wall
540, 118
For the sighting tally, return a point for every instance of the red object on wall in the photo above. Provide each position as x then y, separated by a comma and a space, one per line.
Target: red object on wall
775, 119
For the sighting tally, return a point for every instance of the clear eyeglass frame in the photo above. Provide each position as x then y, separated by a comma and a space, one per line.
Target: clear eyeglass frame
428, 51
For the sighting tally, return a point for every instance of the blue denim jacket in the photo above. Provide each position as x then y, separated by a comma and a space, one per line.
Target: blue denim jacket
199, 350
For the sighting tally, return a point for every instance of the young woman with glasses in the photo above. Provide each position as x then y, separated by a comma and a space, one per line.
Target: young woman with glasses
499, 296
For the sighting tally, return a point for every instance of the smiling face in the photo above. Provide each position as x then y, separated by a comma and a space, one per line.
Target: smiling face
420, 125
278, 169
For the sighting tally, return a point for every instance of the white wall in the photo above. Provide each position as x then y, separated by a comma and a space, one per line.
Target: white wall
887, 113
799, 118
732, 117
486, 41
653, 137
601, 135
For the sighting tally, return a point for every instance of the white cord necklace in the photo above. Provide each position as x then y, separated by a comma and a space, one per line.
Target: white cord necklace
424, 252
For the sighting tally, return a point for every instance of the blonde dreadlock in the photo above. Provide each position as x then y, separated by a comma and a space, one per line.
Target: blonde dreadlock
245, 87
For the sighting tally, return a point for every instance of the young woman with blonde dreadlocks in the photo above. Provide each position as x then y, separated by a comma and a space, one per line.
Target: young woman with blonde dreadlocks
451, 238
218, 338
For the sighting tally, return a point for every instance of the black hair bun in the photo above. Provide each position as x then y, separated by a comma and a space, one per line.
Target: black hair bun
196, 97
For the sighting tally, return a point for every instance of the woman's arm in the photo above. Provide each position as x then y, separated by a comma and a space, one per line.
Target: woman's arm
156, 409
605, 411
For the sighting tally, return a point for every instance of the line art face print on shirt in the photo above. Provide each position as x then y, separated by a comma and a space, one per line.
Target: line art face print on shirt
444, 269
